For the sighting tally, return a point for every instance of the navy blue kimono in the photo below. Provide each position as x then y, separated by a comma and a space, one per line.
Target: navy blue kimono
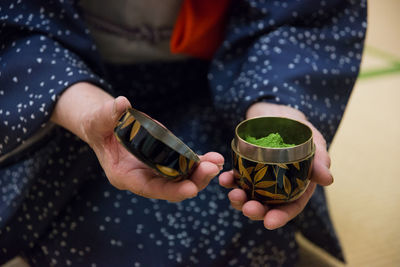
56, 205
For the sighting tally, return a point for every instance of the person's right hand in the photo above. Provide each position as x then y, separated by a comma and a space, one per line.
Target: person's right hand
123, 170
275, 216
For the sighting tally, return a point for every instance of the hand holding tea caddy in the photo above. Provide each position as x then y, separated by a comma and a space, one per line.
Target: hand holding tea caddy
91, 114
275, 216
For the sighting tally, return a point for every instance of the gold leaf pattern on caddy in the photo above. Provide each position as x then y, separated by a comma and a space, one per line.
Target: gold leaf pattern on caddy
243, 170
269, 194
260, 174
243, 184
127, 121
286, 185
240, 163
191, 162
250, 170
254, 178
282, 165
123, 118
297, 165
167, 170
134, 130
182, 163
265, 184
259, 166
300, 183
295, 191
118, 139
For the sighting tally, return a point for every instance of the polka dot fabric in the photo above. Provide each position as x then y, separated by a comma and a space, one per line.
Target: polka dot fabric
39, 47
57, 207
304, 54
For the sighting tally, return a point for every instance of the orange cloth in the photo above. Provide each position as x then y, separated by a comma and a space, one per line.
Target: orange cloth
199, 28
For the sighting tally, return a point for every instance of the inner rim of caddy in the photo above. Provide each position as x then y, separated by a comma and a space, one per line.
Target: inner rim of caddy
163, 134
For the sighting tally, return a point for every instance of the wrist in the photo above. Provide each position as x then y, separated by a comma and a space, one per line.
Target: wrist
75, 106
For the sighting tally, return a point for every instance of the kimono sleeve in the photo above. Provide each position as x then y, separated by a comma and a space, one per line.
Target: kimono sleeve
305, 54
44, 49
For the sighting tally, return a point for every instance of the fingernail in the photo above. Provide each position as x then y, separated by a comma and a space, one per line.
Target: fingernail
235, 202
213, 175
114, 108
330, 174
220, 166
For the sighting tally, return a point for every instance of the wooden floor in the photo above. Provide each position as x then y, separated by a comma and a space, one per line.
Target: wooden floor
365, 198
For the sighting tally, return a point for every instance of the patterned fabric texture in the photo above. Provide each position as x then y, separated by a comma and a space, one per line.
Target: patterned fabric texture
57, 207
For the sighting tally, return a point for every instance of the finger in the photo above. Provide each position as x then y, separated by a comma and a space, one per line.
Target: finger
184, 190
227, 180
106, 116
146, 183
215, 158
321, 174
203, 174
254, 210
322, 161
321, 154
120, 105
278, 217
318, 138
237, 198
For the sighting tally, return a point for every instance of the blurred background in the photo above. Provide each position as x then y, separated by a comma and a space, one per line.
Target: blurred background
365, 198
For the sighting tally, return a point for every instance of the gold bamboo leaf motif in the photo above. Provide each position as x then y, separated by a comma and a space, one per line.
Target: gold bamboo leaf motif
260, 174
190, 165
167, 170
279, 196
250, 170
297, 165
259, 166
272, 195
182, 163
286, 185
300, 183
240, 163
117, 137
123, 118
297, 190
243, 170
282, 165
134, 130
265, 193
243, 185
127, 121
265, 184
246, 175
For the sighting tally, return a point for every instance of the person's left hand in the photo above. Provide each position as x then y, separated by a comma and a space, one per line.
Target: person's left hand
276, 216
91, 114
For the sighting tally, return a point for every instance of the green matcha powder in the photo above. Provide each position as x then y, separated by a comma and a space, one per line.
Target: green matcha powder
273, 140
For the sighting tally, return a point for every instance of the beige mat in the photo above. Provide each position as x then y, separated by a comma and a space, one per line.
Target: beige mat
365, 198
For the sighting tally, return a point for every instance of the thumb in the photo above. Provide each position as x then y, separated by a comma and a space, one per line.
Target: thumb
107, 115
120, 104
